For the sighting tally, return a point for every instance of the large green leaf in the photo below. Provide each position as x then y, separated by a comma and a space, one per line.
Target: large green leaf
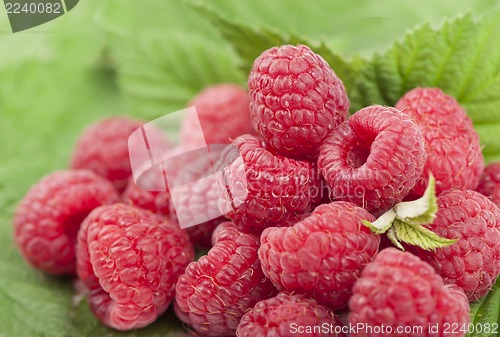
350, 28
159, 73
462, 57
165, 53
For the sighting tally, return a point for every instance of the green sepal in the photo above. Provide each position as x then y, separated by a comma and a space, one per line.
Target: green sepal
382, 224
405, 222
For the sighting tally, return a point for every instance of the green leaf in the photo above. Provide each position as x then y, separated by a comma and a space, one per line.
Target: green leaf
462, 57
405, 221
250, 42
488, 133
418, 235
159, 73
391, 234
420, 211
485, 312
350, 28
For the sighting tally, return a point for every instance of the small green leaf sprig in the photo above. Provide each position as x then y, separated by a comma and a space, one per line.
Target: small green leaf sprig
407, 222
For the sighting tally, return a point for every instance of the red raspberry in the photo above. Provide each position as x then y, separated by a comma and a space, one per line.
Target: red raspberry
406, 296
103, 148
473, 262
223, 113
321, 255
260, 189
452, 145
47, 220
295, 99
489, 184
196, 197
130, 259
284, 315
216, 291
374, 159
147, 196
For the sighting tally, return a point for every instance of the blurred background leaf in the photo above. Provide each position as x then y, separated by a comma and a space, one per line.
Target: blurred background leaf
485, 312
160, 72
144, 59
350, 28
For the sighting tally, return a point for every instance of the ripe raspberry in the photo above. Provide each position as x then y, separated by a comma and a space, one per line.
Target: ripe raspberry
374, 159
322, 255
195, 198
280, 316
295, 99
222, 104
196, 195
159, 202
130, 259
260, 189
103, 148
473, 262
216, 291
489, 184
400, 291
47, 220
452, 145
147, 196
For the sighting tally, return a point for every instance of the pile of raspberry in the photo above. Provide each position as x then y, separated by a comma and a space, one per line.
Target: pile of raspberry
286, 249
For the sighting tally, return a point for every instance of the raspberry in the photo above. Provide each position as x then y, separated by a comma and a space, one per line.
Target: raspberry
489, 184
295, 99
47, 220
452, 145
374, 159
130, 259
473, 262
151, 191
216, 291
222, 104
103, 148
260, 189
196, 196
403, 293
322, 255
282, 315
146, 196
